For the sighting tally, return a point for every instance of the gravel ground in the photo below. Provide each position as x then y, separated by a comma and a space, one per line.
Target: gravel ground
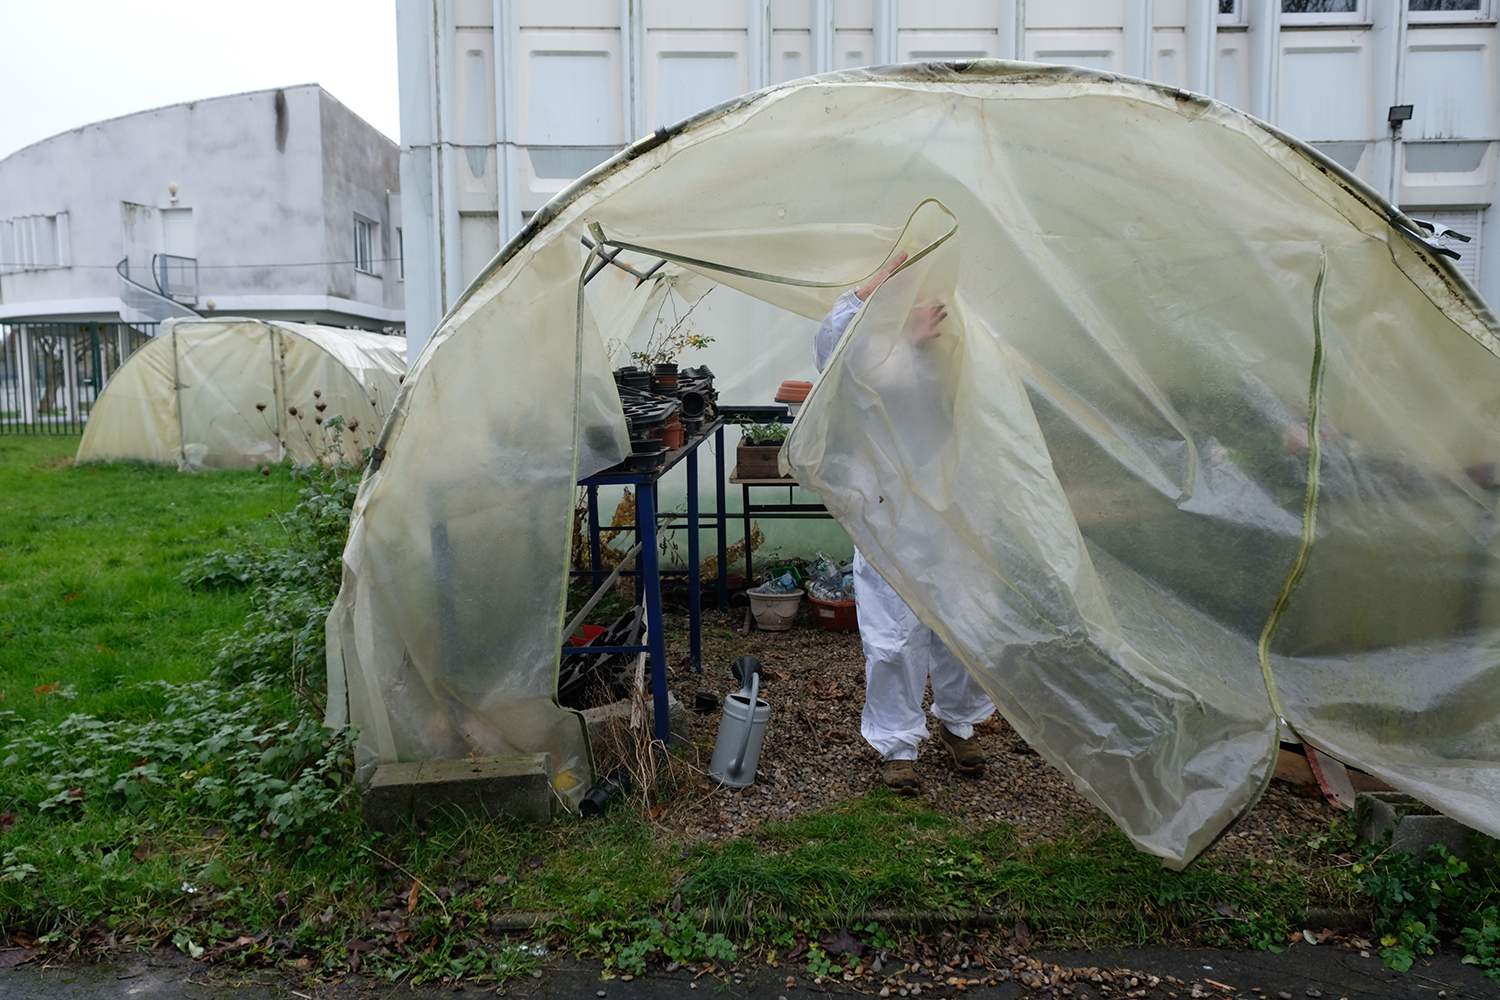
814, 755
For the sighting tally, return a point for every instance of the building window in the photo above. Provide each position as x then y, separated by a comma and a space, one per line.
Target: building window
400, 255
1230, 12
1449, 10
364, 245
33, 242
1321, 11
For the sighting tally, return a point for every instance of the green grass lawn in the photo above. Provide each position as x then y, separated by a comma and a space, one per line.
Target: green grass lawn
90, 599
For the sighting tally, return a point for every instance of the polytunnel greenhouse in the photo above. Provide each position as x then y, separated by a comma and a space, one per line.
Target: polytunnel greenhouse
233, 393
1203, 457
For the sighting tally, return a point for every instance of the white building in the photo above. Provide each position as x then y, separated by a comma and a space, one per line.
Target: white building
503, 102
278, 204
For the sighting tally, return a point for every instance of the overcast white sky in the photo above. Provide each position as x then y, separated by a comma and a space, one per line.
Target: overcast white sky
65, 63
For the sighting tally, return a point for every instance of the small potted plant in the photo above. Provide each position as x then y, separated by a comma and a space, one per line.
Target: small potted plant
759, 453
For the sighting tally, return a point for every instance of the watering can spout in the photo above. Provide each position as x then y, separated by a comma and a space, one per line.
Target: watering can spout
743, 668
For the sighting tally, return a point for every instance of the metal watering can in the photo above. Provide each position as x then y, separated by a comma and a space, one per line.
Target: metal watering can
742, 728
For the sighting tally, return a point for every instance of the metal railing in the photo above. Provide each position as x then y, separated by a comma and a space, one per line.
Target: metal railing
51, 373
176, 277
142, 304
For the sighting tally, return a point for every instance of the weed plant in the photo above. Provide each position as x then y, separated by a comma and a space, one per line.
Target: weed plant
1419, 901
292, 584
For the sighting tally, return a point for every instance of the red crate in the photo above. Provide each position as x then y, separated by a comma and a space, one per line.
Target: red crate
835, 616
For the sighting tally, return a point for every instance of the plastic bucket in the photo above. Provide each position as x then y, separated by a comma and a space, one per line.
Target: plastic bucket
590, 633
775, 612
836, 616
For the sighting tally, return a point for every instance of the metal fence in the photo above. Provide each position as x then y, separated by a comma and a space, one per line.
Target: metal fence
51, 373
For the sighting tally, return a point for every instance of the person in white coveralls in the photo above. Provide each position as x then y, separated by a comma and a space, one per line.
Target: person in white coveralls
902, 654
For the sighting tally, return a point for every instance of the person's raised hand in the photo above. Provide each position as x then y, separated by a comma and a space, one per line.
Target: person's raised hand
863, 292
924, 321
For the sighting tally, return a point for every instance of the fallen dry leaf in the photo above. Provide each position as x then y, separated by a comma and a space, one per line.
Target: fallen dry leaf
12, 957
142, 852
411, 897
1020, 934
8, 821
46, 689
842, 941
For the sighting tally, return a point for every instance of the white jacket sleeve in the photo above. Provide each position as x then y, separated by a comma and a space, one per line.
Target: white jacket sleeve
834, 325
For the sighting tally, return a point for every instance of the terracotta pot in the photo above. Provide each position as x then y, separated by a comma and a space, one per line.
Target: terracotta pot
671, 434
793, 392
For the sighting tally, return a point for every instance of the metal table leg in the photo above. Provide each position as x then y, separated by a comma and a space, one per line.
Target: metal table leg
722, 520
645, 508
695, 610
745, 501
598, 574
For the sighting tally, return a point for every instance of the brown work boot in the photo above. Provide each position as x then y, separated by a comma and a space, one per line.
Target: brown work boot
900, 776
966, 753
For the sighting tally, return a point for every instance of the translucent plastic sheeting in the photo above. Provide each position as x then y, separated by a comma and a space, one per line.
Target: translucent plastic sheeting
1205, 441
220, 394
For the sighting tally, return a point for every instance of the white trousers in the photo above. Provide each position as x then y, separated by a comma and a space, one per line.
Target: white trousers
901, 655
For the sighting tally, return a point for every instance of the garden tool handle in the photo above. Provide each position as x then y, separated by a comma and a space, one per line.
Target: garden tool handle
738, 764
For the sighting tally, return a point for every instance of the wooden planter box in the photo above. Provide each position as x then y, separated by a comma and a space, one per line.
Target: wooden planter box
758, 461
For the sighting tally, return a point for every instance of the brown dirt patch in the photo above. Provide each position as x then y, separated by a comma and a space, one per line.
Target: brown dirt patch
814, 755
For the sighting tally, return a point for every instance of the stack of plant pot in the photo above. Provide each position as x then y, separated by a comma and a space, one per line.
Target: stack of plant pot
663, 407
695, 390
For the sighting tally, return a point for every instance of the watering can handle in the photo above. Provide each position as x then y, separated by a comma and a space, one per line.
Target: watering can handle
738, 764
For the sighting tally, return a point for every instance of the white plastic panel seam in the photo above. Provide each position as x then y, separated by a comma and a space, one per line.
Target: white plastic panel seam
822, 36
1137, 30
508, 70
758, 44
1263, 54
1199, 31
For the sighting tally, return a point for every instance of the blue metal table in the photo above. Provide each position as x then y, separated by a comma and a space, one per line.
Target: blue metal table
648, 572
